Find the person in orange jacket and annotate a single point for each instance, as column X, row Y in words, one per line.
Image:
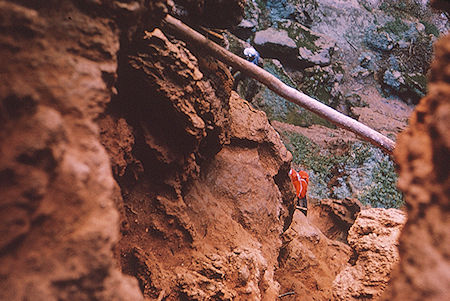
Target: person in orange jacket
column 300, row 181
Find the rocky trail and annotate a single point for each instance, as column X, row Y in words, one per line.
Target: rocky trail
column 131, row 170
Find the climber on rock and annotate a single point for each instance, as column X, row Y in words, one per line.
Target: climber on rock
column 300, row 181
column 252, row 55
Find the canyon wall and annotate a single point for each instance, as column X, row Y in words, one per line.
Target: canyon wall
column 423, row 154
column 130, row 170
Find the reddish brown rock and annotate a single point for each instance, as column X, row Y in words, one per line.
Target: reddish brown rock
column 423, row 155
column 373, row 239
column 203, row 178
column 58, row 221
column 334, row 217
column 309, row 261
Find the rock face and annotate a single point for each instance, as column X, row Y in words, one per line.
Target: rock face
column 423, row 156
column 275, row 43
column 309, row 261
column 373, row 238
column 295, row 45
column 335, row 217
column 212, row 192
column 314, row 267
column 58, row 221
column 129, row 170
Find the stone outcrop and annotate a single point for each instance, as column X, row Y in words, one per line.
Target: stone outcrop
column 315, row 267
column 423, row 154
column 203, row 178
column 294, row 45
column 335, row 217
column 129, row 170
column 58, row 222
column 309, row 261
column 373, row 239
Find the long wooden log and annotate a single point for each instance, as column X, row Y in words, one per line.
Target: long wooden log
column 187, row 34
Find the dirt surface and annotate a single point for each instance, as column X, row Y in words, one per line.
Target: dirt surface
column 423, row 154
column 309, row 261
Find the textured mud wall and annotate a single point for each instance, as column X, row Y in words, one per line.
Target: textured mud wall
column 314, row 267
column 373, row 239
column 203, row 177
column 58, row 221
column 309, row 261
column 423, row 154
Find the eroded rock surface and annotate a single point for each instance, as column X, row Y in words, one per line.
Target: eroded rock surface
column 58, row 221
column 124, row 151
column 335, row 217
column 423, row 154
column 373, row 239
column 205, row 192
column 309, row 261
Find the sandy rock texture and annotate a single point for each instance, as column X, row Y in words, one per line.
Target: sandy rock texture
column 130, row 170
column 335, row 217
column 58, row 221
column 423, row 154
column 315, row 267
column 373, row 239
column 203, row 177
column 309, row 261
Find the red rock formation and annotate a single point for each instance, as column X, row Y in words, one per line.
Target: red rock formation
column 335, row 217
column 423, row 154
column 309, row 261
column 200, row 174
column 198, row 204
column 58, row 221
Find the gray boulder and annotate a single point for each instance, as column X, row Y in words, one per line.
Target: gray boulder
column 295, row 45
column 245, row 29
column 411, row 87
column 379, row 40
column 276, row 43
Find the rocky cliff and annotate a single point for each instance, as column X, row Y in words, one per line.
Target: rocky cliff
column 423, row 155
column 130, row 170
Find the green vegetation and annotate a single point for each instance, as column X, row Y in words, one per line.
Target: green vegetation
column 361, row 171
column 430, row 29
column 318, row 84
column 400, row 8
column 383, row 191
column 396, row 27
column 417, row 83
column 301, row 35
column 305, row 118
column 275, row 106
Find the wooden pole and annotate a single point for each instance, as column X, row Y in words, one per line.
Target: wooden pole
column 187, row 34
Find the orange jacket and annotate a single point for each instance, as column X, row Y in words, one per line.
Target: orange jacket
column 300, row 181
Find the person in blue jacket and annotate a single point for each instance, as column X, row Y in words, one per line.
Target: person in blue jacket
column 252, row 55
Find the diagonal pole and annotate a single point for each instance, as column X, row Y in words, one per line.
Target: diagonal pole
column 187, row 34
